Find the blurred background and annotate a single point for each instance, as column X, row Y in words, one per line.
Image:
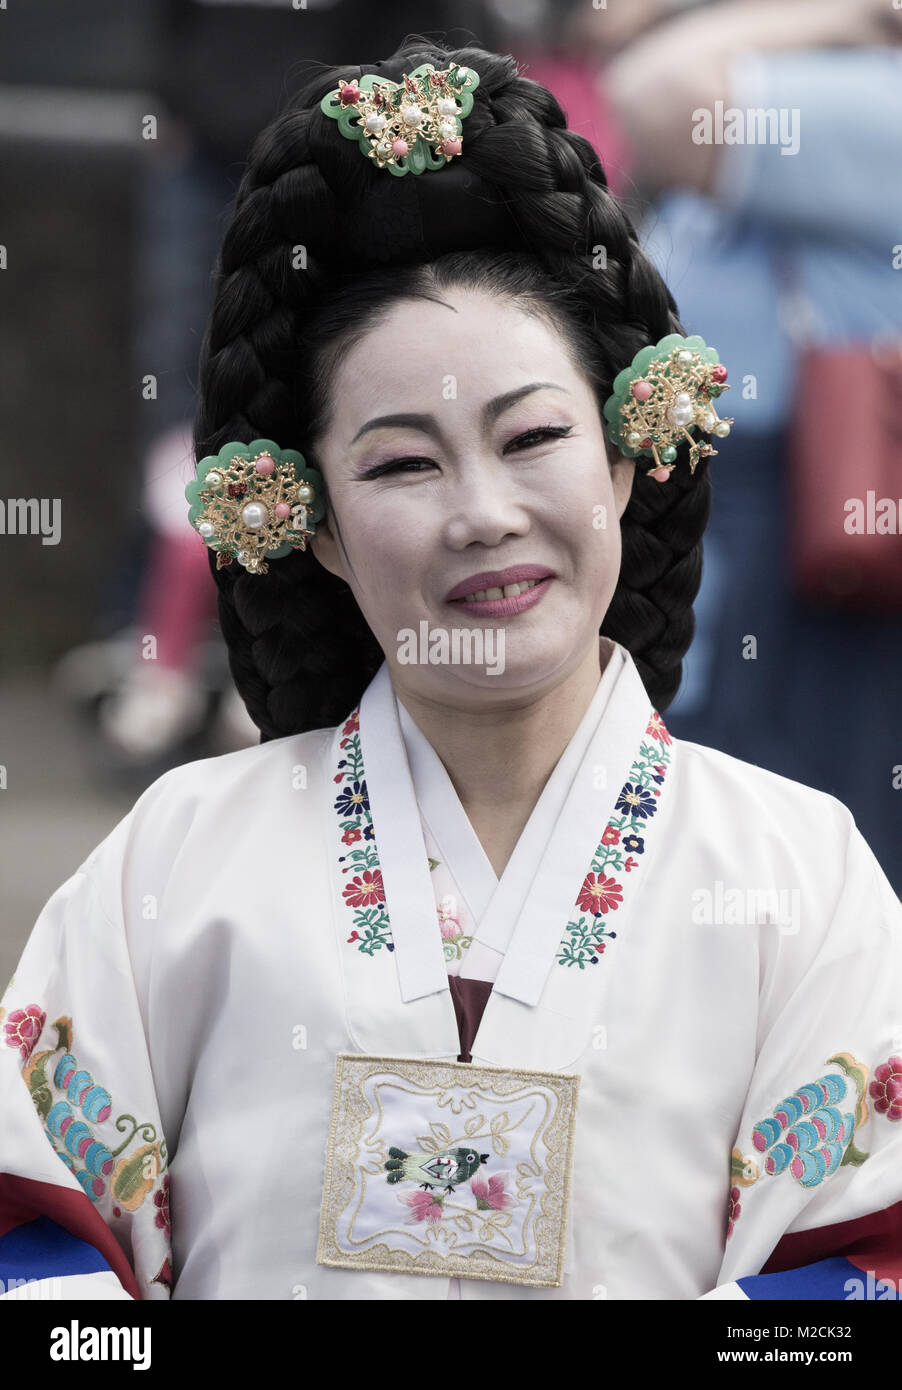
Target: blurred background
column 123, row 131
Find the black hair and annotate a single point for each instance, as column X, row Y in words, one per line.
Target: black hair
column 524, row 212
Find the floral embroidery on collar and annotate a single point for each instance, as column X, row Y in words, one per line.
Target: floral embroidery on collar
column 454, row 935
column 364, row 894
column 622, row 841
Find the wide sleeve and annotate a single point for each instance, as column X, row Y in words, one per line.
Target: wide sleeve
column 815, row 1202
column 84, row 1187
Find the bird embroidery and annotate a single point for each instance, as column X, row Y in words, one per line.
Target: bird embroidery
column 443, row 1169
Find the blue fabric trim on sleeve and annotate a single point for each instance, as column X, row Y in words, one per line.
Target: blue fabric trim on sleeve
column 825, row 1279
column 41, row 1249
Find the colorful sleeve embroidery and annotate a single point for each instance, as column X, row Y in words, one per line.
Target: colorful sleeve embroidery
column 809, row 1137
column 83, row 1169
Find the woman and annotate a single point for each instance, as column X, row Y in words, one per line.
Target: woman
column 470, row 981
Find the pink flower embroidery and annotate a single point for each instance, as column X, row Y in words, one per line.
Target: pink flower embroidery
column 599, row 894
column 611, row 836
column 656, row 728
column 449, row 925
column 351, row 835
column 365, row 890
column 352, row 724
column 490, row 1193
column 24, row 1027
column 886, row 1089
column 423, row 1207
column 161, row 1202
column 734, row 1210
column 630, row 863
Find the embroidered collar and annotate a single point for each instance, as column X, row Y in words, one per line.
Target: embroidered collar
column 371, row 745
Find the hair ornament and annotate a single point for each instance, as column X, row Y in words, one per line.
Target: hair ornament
column 254, row 502
column 664, row 395
column 408, row 126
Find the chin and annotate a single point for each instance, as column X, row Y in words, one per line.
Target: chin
column 514, row 673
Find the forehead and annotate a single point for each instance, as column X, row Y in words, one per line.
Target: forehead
column 469, row 347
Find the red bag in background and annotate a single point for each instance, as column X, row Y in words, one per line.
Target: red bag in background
column 845, row 477
column 844, row 443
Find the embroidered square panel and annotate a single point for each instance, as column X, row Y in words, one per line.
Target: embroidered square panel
column 448, row 1168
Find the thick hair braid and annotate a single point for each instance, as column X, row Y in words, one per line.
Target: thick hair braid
column 300, row 650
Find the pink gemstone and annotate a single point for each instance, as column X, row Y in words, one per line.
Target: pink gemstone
column 282, row 509
column 348, row 92
column 719, row 374
column 661, row 475
column 265, row 465
column 641, row 390
column 399, row 148
column 449, row 147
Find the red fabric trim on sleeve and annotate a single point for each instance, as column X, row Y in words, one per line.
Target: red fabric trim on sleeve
column 23, row 1199
column 870, row 1242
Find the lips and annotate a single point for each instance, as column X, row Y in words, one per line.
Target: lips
column 497, row 579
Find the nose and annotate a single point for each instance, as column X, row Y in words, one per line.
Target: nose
column 483, row 504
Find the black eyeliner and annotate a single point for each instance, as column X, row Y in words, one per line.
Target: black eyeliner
column 554, row 431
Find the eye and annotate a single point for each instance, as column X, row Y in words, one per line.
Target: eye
column 397, row 466
column 415, row 463
column 531, row 437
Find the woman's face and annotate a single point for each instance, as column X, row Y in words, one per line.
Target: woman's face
column 464, row 441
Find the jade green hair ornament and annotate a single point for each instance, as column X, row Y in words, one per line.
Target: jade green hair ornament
column 405, row 127
column 665, row 395
column 255, row 502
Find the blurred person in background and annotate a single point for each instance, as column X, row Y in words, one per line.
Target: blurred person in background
column 773, row 252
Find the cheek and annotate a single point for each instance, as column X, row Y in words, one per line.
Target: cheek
column 583, row 507
column 386, row 542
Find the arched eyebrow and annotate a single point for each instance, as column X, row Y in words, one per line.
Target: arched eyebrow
column 490, row 412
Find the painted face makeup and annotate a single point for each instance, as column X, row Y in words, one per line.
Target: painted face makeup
column 474, row 495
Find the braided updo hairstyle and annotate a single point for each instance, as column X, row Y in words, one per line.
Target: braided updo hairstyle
column 320, row 243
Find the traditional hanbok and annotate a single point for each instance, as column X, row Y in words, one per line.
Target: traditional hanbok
column 286, row 1034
